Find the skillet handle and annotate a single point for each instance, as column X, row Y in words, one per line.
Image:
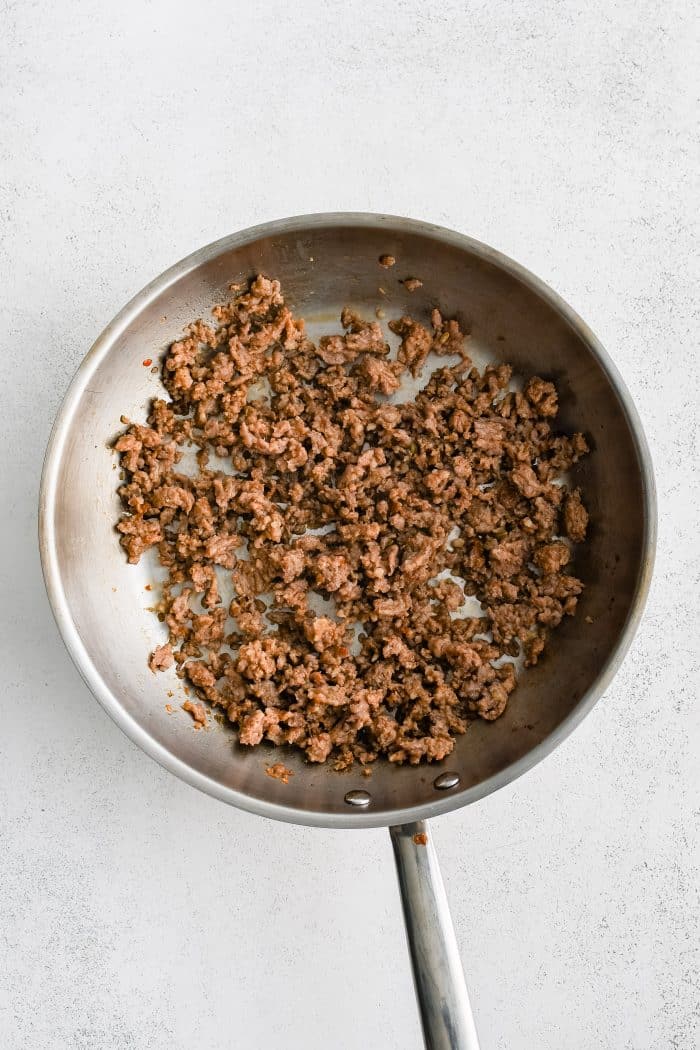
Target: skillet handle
column 445, row 1012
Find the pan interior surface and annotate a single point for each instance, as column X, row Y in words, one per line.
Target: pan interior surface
column 324, row 263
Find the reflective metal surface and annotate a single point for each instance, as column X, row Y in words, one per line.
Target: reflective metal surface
column 443, row 1002
column 324, row 262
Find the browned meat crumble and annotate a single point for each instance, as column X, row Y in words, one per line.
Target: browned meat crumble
column 389, row 514
column 198, row 712
column 279, row 772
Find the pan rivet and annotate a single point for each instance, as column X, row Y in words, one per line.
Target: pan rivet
column 446, row 781
column 358, row 798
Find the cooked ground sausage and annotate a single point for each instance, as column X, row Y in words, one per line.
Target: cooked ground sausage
column 389, row 514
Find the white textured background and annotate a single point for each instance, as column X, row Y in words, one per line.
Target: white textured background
column 136, row 913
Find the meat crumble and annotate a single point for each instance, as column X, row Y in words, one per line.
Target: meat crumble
column 279, row 772
column 352, row 527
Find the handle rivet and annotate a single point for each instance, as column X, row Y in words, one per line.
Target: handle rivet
column 358, row 798
column 446, row 781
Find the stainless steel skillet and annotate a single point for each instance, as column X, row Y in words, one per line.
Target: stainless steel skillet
column 324, row 262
